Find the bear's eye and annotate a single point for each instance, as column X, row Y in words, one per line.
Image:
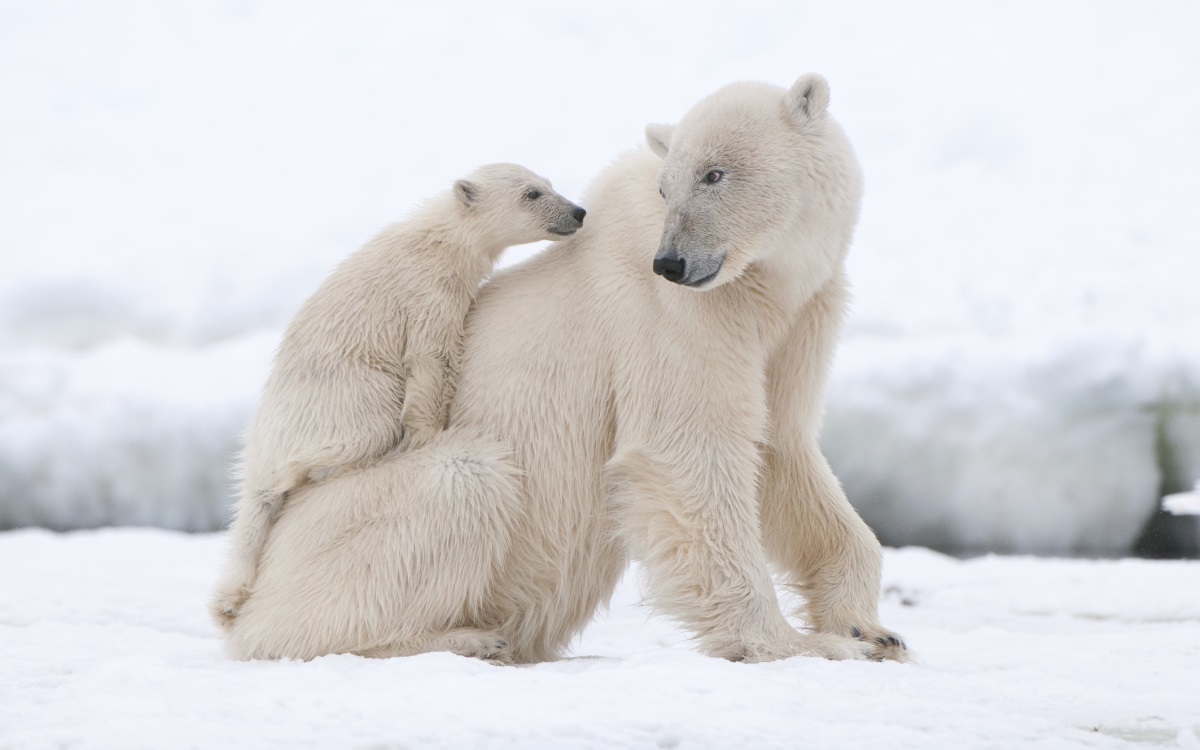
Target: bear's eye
column 533, row 194
column 714, row 176
column 660, row 192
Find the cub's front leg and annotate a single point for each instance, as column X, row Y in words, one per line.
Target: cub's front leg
column 424, row 413
column 431, row 360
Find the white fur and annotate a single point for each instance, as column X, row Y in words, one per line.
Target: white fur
column 604, row 413
column 370, row 362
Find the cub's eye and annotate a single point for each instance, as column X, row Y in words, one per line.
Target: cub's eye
column 713, row 176
column 533, row 194
column 660, row 192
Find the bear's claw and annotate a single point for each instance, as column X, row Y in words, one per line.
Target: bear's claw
column 883, row 644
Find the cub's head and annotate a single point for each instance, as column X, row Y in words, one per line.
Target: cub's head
column 755, row 174
column 515, row 206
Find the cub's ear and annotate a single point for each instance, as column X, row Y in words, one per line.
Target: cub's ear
column 808, row 97
column 467, row 192
column 658, row 137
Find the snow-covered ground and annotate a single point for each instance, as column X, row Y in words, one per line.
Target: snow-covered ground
column 1022, row 370
column 105, row 643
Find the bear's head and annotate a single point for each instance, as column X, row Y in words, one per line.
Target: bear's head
column 511, row 205
column 755, row 174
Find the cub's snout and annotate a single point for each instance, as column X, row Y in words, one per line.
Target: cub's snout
column 571, row 223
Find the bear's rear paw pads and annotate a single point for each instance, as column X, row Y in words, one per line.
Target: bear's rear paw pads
column 883, row 644
column 227, row 603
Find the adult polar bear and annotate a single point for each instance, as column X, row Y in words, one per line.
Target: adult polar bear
column 604, row 412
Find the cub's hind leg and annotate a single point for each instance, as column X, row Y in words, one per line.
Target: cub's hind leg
column 248, row 534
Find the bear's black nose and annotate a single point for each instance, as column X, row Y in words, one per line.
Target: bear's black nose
column 578, row 214
column 670, row 266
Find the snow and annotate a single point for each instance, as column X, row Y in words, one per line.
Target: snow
column 130, row 432
column 1184, row 503
column 104, row 643
column 1021, row 371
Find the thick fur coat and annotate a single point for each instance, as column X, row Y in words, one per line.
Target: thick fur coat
column 371, row 360
column 605, row 412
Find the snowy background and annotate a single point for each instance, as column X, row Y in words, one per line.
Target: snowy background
column 1022, row 370
column 1097, row 654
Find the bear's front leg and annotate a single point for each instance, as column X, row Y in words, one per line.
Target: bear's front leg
column 811, row 531
column 697, row 536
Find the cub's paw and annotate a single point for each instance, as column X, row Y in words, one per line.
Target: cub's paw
column 419, row 435
column 884, row 644
column 227, row 603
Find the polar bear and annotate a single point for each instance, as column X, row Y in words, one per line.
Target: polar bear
column 370, row 361
column 651, row 389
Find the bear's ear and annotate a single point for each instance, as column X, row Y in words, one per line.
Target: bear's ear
column 467, row 192
column 658, row 137
column 808, row 97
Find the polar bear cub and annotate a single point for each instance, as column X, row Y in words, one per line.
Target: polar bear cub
column 370, row 361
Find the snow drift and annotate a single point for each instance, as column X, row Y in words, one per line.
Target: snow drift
column 1020, row 371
